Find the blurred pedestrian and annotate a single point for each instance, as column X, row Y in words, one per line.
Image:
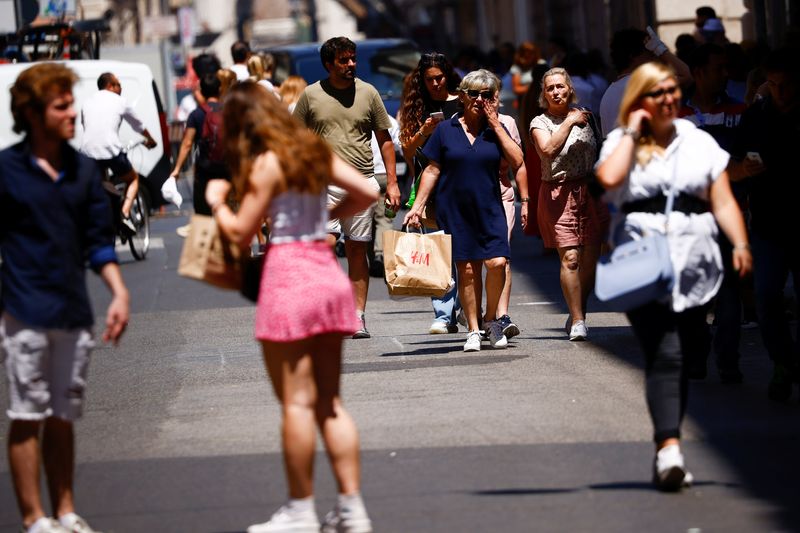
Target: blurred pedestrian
column 464, row 154
column 525, row 59
column 651, row 155
column 55, row 218
column 769, row 139
column 291, row 89
column 282, row 170
column 240, row 53
column 570, row 219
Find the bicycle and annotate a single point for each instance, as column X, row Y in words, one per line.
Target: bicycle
column 139, row 241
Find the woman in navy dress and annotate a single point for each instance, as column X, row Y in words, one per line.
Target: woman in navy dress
column 464, row 156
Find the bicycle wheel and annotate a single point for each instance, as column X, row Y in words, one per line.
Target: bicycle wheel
column 140, row 243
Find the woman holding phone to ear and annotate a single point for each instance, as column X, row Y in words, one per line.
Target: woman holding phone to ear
column 652, row 154
column 429, row 97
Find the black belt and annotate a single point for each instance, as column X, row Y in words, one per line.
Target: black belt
column 685, row 203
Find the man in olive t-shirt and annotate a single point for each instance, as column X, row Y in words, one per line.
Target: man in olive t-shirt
column 345, row 111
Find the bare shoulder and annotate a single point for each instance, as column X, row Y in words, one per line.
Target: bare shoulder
column 266, row 171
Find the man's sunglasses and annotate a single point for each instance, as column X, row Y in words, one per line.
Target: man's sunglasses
column 474, row 94
column 660, row 93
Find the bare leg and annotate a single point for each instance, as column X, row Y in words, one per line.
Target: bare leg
column 331, row 239
column 570, row 281
column 338, row 429
column 58, row 455
column 358, row 270
column 469, row 290
column 505, row 296
column 132, row 179
column 290, row 367
column 586, row 271
column 23, row 460
column 495, row 282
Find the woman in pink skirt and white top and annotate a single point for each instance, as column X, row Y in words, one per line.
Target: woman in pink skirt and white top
column 305, row 304
column 570, row 219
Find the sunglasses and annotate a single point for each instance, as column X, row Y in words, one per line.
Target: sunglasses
column 660, row 93
column 474, row 94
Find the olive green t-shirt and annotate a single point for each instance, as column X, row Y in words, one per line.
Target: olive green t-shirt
column 345, row 119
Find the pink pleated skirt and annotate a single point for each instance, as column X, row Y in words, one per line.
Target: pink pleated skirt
column 303, row 293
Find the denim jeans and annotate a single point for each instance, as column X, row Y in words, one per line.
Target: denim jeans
column 447, row 307
column 773, row 261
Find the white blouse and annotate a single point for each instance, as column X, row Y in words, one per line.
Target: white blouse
column 695, row 160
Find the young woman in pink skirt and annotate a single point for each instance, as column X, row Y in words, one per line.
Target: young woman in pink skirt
column 305, row 303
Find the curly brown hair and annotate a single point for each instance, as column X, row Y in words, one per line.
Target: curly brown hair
column 33, row 89
column 254, row 122
column 416, row 98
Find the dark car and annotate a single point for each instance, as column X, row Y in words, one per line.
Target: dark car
column 382, row 62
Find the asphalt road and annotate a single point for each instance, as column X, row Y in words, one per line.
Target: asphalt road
column 181, row 432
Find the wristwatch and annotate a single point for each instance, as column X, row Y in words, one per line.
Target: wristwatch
column 632, row 132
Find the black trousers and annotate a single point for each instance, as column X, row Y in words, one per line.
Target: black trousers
column 668, row 340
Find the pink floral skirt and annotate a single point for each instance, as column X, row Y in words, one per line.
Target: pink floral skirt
column 303, row 293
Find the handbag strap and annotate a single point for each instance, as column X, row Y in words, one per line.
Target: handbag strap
column 671, row 186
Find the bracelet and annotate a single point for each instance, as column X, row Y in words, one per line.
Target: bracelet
column 742, row 246
column 632, row 132
column 524, row 200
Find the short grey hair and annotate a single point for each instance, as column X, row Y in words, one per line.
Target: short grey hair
column 573, row 98
column 478, row 79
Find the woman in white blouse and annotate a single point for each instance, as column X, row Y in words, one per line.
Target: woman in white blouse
column 650, row 153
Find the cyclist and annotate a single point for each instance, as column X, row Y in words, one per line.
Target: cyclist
column 101, row 117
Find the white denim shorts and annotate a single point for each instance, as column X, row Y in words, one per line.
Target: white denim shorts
column 46, row 369
column 357, row 227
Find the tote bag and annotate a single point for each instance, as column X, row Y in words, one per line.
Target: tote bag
column 208, row 257
column 417, row 264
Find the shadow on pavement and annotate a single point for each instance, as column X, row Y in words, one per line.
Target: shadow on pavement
column 760, row 440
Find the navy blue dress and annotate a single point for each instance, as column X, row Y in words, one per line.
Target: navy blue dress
column 468, row 203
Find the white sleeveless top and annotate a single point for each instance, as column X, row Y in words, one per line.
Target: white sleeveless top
column 298, row 217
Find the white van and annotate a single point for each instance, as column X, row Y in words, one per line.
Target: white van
column 138, row 89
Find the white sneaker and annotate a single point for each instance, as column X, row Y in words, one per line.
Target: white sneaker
column 473, row 343
column 45, row 525
column 75, row 524
column 347, row 520
column 578, row 331
column 669, row 471
column 183, row 231
column 438, row 328
column 287, row 519
column 495, row 332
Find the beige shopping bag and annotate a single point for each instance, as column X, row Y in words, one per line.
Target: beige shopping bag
column 417, row 264
column 208, row 257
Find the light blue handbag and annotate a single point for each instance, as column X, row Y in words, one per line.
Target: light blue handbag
column 638, row 271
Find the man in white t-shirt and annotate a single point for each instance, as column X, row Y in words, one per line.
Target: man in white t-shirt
column 101, row 117
column 240, row 52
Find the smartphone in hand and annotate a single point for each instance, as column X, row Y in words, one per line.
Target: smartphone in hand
column 437, row 116
column 755, row 156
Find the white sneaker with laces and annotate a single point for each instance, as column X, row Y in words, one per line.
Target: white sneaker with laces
column 347, row 520
column 473, row 343
column 45, row 524
column 578, row 331
column 495, row 332
column 75, row 524
column 669, row 471
column 286, row 519
column 439, row 327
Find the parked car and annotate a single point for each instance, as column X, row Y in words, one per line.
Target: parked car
column 382, row 62
column 138, row 88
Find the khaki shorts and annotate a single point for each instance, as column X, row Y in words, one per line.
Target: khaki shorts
column 46, row 369
column 357, row 227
